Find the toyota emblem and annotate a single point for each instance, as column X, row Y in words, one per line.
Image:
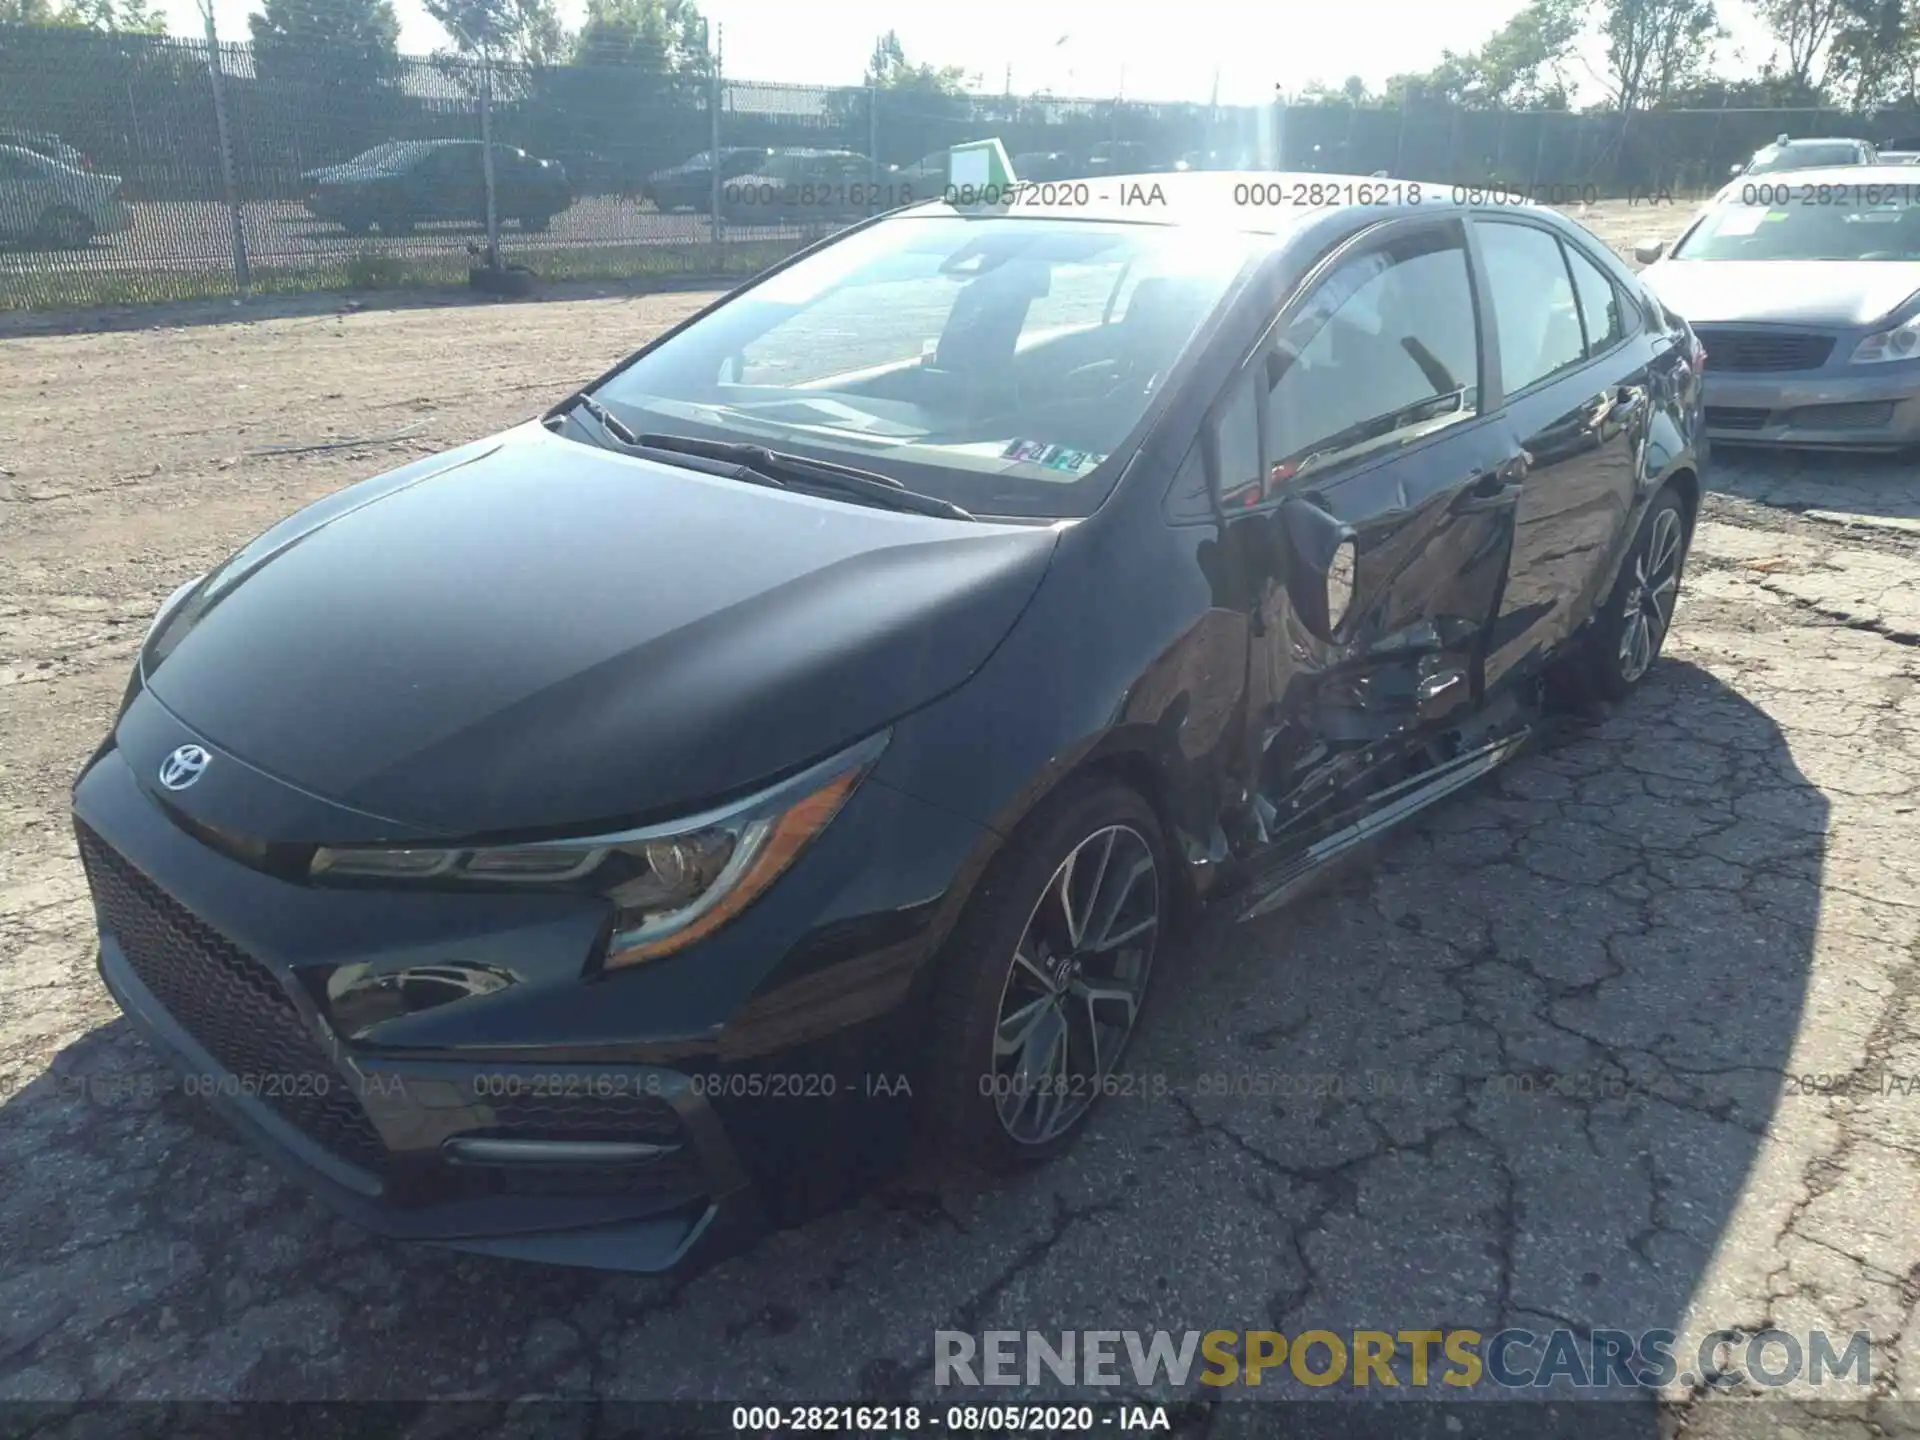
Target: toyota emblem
column 183, row 767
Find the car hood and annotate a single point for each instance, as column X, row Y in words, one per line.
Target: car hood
column 1784, row 292
column 532, row 633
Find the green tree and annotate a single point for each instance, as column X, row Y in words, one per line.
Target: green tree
column 887, row 69
column 1876, row 51
column 526, row 32
column 1522, row 65
column 1805, row 31
column 116, row 17
column 353, row 43
column 1656, row 48
column 667, row 37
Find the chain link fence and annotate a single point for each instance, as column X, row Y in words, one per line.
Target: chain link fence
column 140, row 168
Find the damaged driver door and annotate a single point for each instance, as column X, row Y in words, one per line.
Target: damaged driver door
column 1373, row 541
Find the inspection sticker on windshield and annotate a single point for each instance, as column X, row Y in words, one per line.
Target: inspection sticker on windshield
column 1051, row 457
column 1746, row 219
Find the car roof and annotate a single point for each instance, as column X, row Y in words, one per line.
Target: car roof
column 1215, row 198
column 1850, row 175
column 1815, row 140
column 20, row 152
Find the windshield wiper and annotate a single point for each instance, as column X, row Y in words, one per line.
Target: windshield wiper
column 801, row 472
column 608, row 421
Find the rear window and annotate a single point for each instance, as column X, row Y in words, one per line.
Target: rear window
column 1803, row 157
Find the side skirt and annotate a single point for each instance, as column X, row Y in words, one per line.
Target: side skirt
column 1390, row 807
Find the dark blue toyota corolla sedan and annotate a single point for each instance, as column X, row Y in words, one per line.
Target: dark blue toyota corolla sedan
column 613, row 836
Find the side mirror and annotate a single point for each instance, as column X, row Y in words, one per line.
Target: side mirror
column 1323, row 573
column 1735, row 168
column 1648, row 251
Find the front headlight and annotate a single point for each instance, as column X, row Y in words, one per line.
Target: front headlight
column 672, row 884
column 1900, row 343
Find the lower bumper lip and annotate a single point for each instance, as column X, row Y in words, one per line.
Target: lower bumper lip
column 1860, row 410
column 468, row 1150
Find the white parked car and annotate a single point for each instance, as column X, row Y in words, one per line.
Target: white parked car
column 46, row 203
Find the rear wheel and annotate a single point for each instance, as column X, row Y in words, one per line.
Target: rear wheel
column 535, row 222
column 64, row 228
column 396, row 222
column 1627, row 636
column 1045, row 976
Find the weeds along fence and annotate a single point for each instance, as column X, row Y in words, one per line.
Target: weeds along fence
column 141, row 168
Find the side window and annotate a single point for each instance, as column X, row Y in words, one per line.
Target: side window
column 1533, row 305
column 1237, row 449
column 1384, row 351
column 1600, row 304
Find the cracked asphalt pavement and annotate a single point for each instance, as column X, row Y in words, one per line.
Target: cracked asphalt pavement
column 1553, row 1057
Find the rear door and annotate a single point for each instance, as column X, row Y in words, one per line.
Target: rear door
column 1367, row 414
column 452, row 185
column 1573, row 373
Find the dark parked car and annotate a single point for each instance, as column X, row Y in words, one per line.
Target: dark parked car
column 598, row 840
column 799, row 185
column 405, row 183
column 689, row 185
column 1042, row 165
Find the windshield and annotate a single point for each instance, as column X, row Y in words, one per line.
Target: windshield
column 994, row 362
column 1848, row 222
column 1802, row 157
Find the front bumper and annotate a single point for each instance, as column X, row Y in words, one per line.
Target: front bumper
column 608, row 1125
column 1864, row 410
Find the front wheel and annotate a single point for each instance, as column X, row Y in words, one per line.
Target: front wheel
column 1627, row 635
column 1044, row 978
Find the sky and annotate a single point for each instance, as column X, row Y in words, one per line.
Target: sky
column 1091, row 48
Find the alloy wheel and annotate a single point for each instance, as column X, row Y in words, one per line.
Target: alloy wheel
column 1650, row 601
column 1074, row 985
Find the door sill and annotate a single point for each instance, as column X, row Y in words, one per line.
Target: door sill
column 1391, row 807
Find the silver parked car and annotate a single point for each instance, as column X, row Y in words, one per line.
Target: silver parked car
column 43, row 202
column 1806, row 154
column 1804, row 286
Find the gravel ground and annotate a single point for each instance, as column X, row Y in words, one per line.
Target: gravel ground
column 1537, row 1065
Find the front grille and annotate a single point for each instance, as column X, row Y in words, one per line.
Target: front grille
column 231, row 1004
column 626, row 1117
column 1855, row 415
column 1748, row 350
column 1736, row 417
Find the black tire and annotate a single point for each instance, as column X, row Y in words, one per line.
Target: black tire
column 535, row 222
column 396, row 222
column 1605, row 667
column 982, row 988
column 356, row 224
column 64, row 228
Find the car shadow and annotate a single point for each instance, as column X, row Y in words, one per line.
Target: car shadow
column 1513, row 1072
column 1859, row 486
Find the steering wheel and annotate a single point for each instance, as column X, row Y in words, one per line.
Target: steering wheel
column 1096, row 377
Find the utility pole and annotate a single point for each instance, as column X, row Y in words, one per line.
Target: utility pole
column 241, row 277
